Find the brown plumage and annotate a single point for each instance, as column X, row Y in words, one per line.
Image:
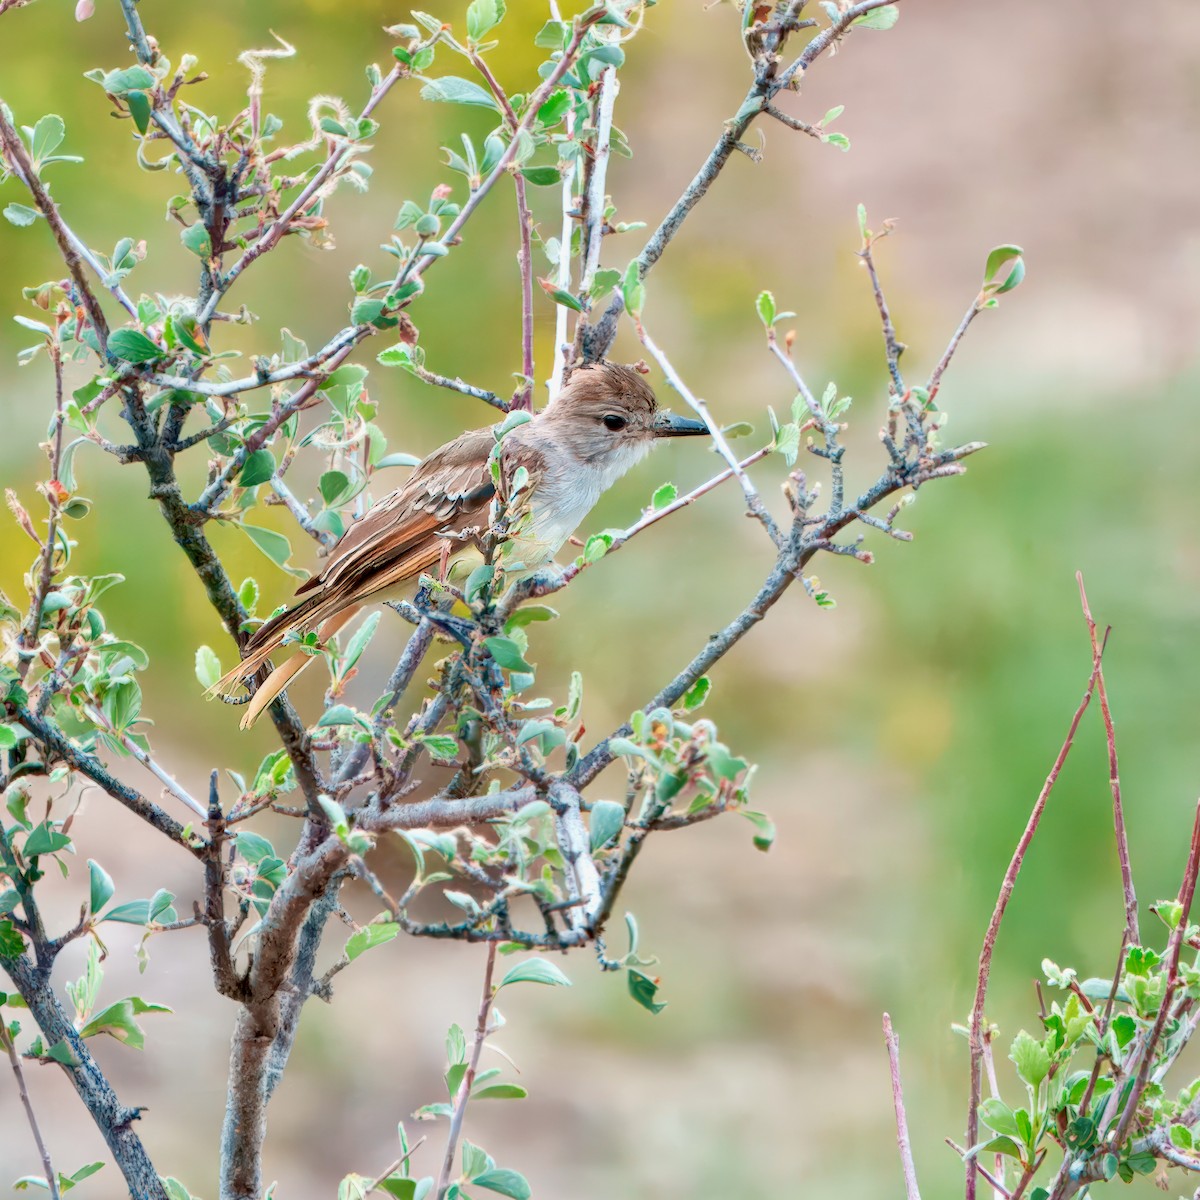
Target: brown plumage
column 602, row 422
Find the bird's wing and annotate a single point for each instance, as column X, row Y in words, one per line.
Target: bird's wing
column 396, row 539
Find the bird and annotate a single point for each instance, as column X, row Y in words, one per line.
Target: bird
column 552, row 470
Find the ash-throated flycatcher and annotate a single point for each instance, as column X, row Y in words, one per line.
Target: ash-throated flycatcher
column 604, row 420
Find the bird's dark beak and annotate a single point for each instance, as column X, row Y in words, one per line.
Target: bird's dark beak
column 669, row 425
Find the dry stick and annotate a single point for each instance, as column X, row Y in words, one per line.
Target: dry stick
column 13, row 1058
column 989, row 941
column 911, row 1190
column 1132, row 933
column 464, row 1088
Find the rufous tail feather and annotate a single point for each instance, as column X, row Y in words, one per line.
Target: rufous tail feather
column 287, row 671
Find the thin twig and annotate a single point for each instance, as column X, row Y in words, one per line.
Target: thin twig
column 989, row 941
column 1132, row 934
column 700, row 407
column 31, row 1116
column 911, row 1190
column 175, row 788
column 1187, row 893
column 892, row 347
column 463, row 1095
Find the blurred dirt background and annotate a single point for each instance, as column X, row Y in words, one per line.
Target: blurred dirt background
column 902, row 736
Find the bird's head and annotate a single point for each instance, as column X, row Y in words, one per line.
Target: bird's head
column 608, row 413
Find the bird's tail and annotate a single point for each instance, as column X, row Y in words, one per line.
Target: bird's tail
column 317, row 611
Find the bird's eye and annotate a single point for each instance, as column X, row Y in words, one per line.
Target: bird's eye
column 614, row 421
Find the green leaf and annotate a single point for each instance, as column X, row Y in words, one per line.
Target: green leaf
column 766, row 308
column 643, row 989
column 43, row 839
column 440, row 744
column 633, row 290
column 339, row 714
column 500, row 1091
column 527, row 614
column 607, row 821
column 118, row 1021
column 552, row 35
column 128, row 79
column 696, row 695
column 370, row 936
column 450, row 89
column 20, row 214
column 11, row 942
column 195, row 238
column 61, row 1052
column 997, row 258
column 507, row 654
column 554, row 109
column 764, row 838
column 140, row 109
column 787, row 442
column 542, row 176
column 723, row 764
column 663, row 496
column 274, row 545
column 101, row 887
column 997, row 1116
column 258, row 468
column 559, row 296
column 135, row 912
column 8, row 736
column 482, row 17
column 48, row 135
column 879, row 18
column 131, row 345
column 840, row 140
column 361, row 639
column 1032, row 1059
column 535, row 970
column 253, row 847
column 506, row 1182
column 208, row 666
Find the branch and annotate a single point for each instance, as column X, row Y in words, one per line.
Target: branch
column 902, row 1140
column 29, row 636
column 112, row 1118
column 975, row 1037
column 753, row 501
column 171, row 785
column 31, row 1116
column 14, row 151
column 1132, row 934
column 598, row 339
column 457, row 385
column 55, row 745
column 338, row 153
column 1187, row 893
column 463, row 1095
column 892, row 348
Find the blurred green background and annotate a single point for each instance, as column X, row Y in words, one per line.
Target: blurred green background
column 902, row 736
